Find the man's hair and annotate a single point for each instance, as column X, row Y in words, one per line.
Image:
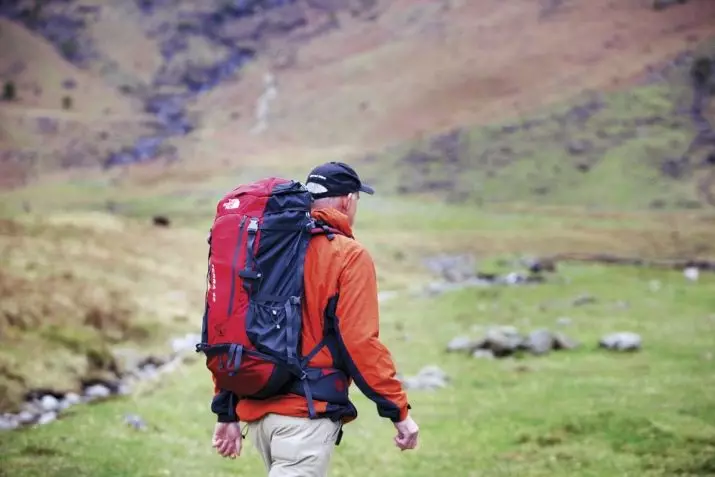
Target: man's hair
column 327, row 203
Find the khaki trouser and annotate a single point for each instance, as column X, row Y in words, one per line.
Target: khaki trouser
column 294, row 446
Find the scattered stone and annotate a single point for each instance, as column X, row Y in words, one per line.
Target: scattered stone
column 515, row 278
column 49, row 403
column 124, row 389
column 46, row 418
column 429, row 378
column 135, row 421
column 506, row 341
column 43, row 406
column 70, row 399
column 692, row 274
column 460, row 343
column 25, row 417
column 97, row 391
column 8, row 422
column 622, row 341
column 578, row 147
column 584, row 299
column 539, row 342
column 483, row 354
column 453, row 268
column 502, row 340
column 561, row 341
column 147, row 372
column 540, row 265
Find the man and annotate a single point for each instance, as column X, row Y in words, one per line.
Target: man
column 338, row 268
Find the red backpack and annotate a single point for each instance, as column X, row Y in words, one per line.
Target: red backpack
column 253, row 317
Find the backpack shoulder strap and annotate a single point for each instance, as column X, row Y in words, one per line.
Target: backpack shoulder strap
column 321, row 228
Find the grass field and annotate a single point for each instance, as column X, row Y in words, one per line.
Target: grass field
column 584, row 412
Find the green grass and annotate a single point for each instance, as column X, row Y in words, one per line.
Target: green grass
column 584, row 412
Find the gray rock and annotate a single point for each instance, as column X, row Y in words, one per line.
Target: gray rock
column 71, row 399
column 148, row 372
column 483, row 354
column 561, row 341
column 692, row 274
column 539, row 342
column 584, row 299
column 32, row 407
column 25, row 417
column 434, row 371
column 460, row 343
column 97, row 391
column 8, row 422
column 135, row 421
column 514, row 278
column 578, row 147
column 502, row 340
column 124, row 389
column 622, row 341
column 453, row 268
column 46, row 418
column 49, row 403
column 429, row 378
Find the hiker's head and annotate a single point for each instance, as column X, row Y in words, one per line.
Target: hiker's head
column 336, row 185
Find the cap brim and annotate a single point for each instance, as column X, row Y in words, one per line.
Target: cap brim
column 367, row 189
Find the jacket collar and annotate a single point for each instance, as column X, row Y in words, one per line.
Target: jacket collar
column 335, row 219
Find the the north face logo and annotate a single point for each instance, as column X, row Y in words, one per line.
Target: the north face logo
column 232, row 204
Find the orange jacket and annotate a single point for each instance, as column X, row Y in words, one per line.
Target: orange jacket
column 344, row 267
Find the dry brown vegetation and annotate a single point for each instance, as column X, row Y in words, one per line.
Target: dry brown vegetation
column 393, row 80
column 72, row 287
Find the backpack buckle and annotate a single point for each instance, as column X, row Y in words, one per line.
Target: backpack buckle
column 253, row 226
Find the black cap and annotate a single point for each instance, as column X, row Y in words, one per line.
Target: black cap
column 334, row 179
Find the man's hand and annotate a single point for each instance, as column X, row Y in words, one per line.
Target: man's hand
column 407, row 432
column 227, row 439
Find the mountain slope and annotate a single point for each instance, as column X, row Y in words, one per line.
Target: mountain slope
column 347, row 77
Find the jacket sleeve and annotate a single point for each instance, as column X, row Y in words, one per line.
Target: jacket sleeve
column 368, row 361
column 223, row 404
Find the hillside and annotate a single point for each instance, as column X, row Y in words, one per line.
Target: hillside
column 218, row 79
column 650, row 145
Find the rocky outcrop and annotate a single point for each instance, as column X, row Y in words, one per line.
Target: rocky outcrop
column 459, row 271
column 43, row 406
column 504, row 341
